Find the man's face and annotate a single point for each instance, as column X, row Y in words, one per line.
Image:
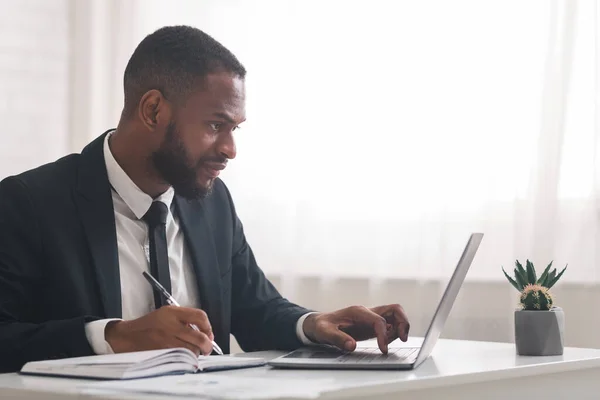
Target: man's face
column 199, row 141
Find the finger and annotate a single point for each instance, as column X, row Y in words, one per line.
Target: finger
column 211, row 335
column 363, row 315
column 197, row 339
column 403, row 328
column 194, row 316
column 332, row 335
column 391, row 332
column 380, row 331
column 396, row 317
column 402, row 325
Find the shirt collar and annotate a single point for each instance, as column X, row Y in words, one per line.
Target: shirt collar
column 138, row 201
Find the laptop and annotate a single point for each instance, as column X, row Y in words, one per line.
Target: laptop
column 329, row 357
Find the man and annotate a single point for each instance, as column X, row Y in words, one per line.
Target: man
column 76, row 234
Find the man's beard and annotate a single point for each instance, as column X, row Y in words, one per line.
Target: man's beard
column 171, row 161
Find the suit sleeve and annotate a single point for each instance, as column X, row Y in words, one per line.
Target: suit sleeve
column 23, row 335
column 261, row 318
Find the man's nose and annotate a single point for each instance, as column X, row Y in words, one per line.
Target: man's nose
column 226, row 146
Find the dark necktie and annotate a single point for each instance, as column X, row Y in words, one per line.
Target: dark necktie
column 156, row 218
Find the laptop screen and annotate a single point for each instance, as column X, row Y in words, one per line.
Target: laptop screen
column 447, row 301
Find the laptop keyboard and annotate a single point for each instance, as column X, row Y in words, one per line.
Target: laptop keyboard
column 369, row 355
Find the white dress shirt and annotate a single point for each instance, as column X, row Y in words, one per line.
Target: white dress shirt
column 130, row 204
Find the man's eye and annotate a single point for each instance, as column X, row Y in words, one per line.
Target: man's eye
column 215, row 127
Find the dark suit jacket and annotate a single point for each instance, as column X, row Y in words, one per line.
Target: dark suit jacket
column 59, row 265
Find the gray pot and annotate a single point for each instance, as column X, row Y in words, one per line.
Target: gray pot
column 540, row 333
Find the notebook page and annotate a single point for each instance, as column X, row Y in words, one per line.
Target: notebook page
column 119, row 358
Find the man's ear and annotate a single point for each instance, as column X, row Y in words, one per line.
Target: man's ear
column 154, row 110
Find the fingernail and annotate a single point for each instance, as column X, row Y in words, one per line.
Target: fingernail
column 349, row 345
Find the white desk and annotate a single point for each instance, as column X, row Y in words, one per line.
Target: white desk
column 456, row 370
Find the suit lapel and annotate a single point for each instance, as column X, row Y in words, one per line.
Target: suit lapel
column 199, row 241
column 94, row 203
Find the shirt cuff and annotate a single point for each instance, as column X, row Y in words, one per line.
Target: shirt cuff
column 94, row 331
column 300, row 330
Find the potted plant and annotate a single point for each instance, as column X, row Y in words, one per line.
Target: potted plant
column 539, row 325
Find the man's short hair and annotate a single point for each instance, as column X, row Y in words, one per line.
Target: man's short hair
column 175, row 60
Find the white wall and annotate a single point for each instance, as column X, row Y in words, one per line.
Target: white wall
column 34, row 66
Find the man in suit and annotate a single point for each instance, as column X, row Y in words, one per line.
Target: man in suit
column 77, row 234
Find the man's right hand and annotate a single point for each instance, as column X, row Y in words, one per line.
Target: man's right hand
column 166, row 327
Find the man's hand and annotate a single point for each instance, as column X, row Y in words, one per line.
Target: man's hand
column 166, row 327
column 344, row 327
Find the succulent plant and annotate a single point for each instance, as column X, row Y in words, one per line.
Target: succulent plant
column 527, row 276
column 534, row 291
column 536, row 297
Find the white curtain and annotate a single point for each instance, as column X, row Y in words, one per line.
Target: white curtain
column 102, row 38
column 34, row 76
column 380, row 134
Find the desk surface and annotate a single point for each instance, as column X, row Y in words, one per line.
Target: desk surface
column 453, row 362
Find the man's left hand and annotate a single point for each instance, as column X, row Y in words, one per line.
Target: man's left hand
column 344, row 327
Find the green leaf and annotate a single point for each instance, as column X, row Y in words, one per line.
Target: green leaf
column 531, row 278
column 554, row 280
column 551, row 276
column 520, row 274
column 521, row 269
column 511, row 280
column 544, row 276
column 519, row 280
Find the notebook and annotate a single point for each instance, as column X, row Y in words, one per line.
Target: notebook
column 141, row 364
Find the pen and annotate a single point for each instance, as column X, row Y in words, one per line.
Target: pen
column 171, row 300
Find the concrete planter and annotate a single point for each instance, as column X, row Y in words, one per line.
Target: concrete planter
column 539, row 333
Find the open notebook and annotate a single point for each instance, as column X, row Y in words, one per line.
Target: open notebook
column 139, row 364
